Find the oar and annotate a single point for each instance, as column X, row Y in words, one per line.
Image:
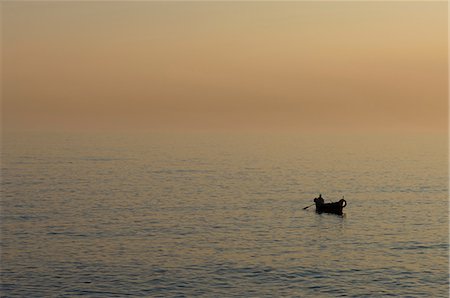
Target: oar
column 308, row 206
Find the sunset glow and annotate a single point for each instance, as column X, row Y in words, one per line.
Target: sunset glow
column 297, row 66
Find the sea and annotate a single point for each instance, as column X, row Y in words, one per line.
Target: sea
column 222, row 215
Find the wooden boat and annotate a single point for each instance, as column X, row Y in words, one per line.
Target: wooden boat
column 335, row 208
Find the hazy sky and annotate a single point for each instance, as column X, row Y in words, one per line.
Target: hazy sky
column 294, row 66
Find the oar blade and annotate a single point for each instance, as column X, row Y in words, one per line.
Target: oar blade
column 307, row 207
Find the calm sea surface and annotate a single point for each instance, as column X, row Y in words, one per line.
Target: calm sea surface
column 222, row 215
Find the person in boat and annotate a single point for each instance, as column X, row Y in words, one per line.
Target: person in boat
column 319, row 200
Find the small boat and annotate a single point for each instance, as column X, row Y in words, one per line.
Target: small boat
column 335, row 208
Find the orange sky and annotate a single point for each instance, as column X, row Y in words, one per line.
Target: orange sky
column 290, row 66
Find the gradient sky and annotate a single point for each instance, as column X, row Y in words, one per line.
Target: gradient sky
column 291, row 66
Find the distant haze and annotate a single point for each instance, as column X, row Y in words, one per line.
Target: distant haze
column 189, row 66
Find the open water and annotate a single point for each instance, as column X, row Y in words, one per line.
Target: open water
column 165, row 215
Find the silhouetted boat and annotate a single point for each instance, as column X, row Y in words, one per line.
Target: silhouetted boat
column 335, row 208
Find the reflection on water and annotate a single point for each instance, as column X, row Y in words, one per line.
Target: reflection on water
column 111, row 215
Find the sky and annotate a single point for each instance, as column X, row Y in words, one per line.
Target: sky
column 225, row 66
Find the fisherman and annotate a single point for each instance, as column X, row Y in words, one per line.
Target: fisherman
column 319, row 200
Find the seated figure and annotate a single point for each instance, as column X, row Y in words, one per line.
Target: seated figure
column 319, row 200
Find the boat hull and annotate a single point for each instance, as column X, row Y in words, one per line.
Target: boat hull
column 335, row 208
